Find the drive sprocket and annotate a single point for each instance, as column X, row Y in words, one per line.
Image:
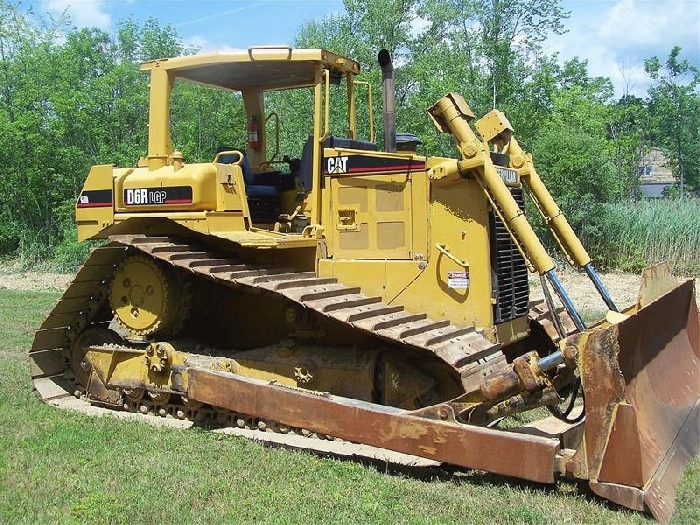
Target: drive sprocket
column 147, row 297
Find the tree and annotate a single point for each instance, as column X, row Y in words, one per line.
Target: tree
column 577, row 125
column 630, row 133
column 674, row 102
column 499, row 41
column 69, row 99
column 26, row 126
column 366, row 27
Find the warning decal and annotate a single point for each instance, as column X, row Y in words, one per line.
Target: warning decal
column 458, row 280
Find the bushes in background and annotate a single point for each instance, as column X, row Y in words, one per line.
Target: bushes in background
column 632, row 235
column 629, row 236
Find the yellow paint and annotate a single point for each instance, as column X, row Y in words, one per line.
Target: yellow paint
column 457, row 215
column 406, row 237
column 553, row 217
column 91, row 221
column 142, row 296
column 450, row 112
column 512, row 331
column 130, row 369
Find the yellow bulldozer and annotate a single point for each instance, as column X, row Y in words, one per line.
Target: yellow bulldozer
column 377, row 296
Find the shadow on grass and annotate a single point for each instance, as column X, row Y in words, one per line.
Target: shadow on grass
column 445, row 473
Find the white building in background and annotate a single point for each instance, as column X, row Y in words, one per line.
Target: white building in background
column 654, row 175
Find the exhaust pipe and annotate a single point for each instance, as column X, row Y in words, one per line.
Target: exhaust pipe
column 388, row 100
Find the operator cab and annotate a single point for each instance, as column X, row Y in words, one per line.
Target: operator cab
column 281, row 161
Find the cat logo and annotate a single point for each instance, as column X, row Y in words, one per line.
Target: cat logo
column 336, row 165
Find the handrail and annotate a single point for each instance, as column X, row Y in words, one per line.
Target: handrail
column 326, row 124
column 443, row 249
column 230, row 152
column 269, row 48
column 277, row 137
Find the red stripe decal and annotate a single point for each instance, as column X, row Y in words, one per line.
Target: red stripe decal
column 94, row 205
column 386, row 168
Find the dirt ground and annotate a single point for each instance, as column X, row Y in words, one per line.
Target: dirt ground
column 623, row 288
column 36, row 281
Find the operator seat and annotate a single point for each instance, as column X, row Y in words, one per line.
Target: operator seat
column 251, row 188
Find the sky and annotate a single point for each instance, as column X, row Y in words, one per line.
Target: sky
column 614, row 36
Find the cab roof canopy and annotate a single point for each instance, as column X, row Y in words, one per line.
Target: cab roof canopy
column 264, row 68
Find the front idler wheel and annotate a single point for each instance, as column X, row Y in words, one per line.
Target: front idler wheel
column 91, row 337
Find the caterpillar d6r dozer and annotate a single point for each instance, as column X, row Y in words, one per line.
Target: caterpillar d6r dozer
column 380, row 297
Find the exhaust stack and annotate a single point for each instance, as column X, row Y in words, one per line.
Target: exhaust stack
column 388, row 100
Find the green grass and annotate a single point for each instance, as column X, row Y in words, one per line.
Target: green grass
column 687, row 507
column 64, row 467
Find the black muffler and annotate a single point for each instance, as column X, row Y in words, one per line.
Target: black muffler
column 388, row 99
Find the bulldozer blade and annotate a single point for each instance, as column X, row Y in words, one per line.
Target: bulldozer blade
column 641, row 380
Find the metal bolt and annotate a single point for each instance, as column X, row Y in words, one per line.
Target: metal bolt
column 469, row 150
column 290, row 315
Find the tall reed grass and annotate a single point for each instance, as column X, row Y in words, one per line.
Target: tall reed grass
column 630, row 235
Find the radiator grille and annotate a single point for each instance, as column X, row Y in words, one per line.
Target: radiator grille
column 508, row 269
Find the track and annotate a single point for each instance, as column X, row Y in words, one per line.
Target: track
column 84, row 304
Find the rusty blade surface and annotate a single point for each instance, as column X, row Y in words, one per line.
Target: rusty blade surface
column 643, row 408
column 662, row 376
column 501, row 452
